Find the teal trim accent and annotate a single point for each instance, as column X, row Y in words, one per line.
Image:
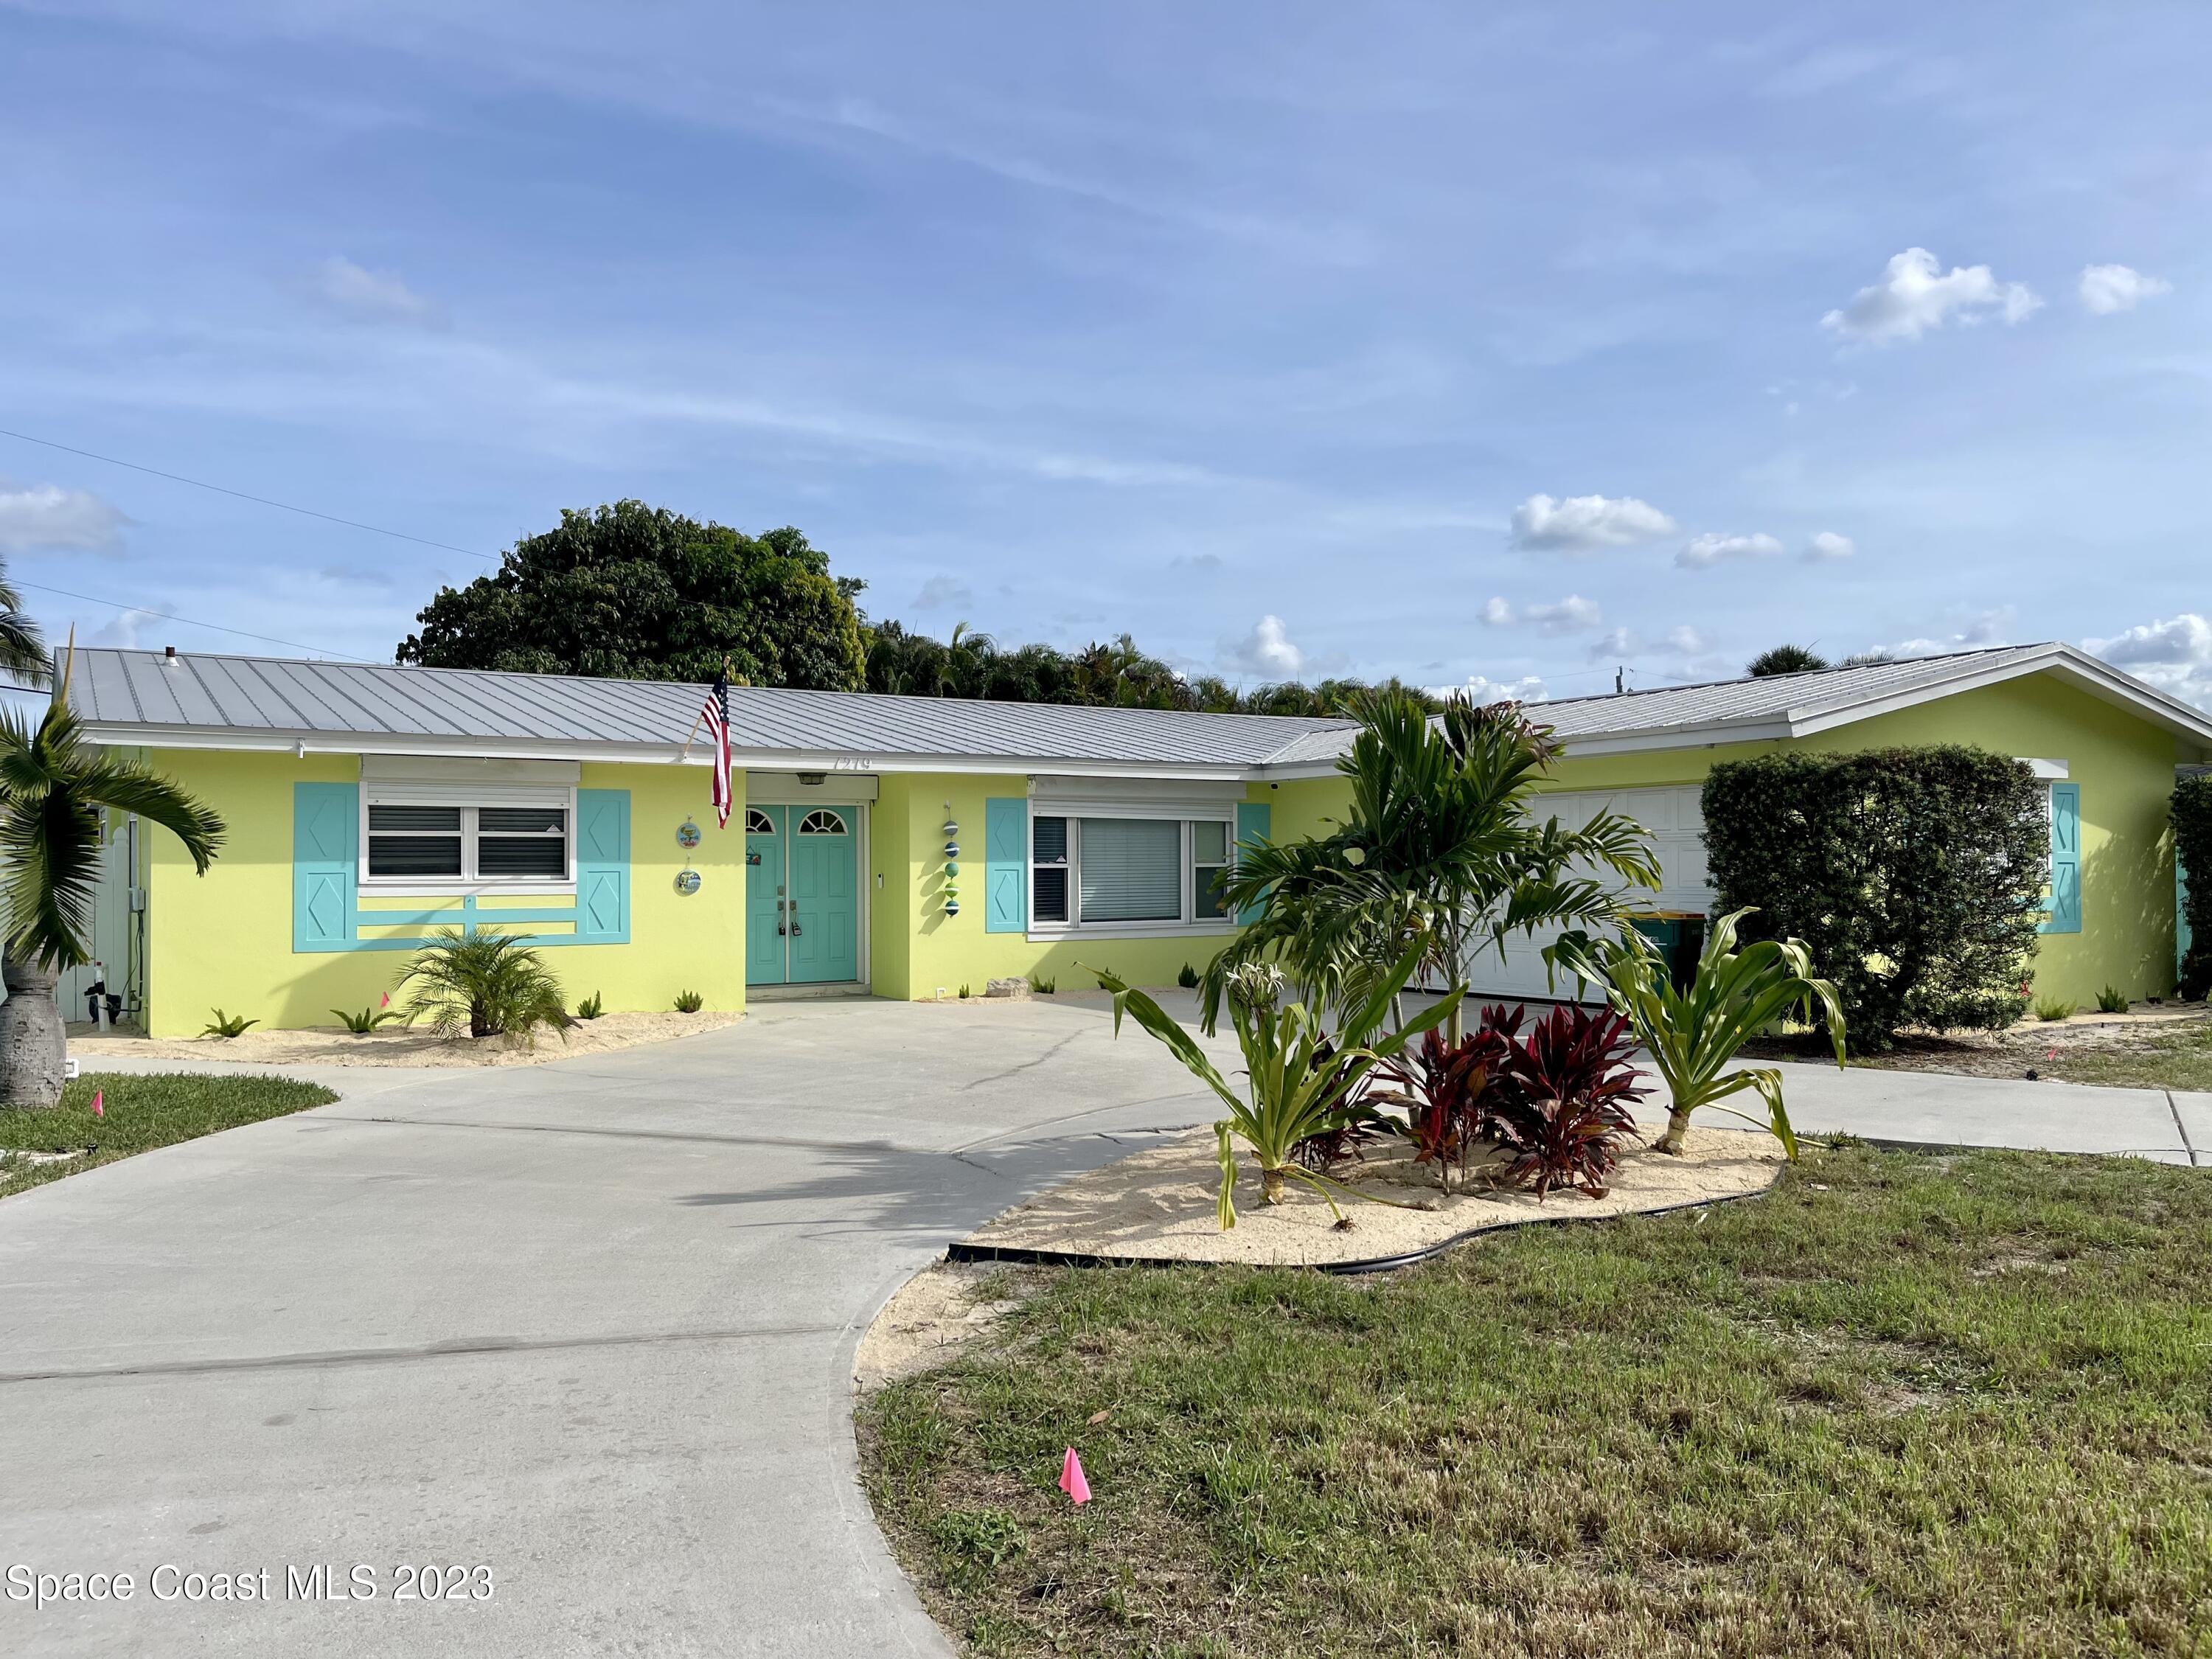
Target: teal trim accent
column 1006, row 864
column 327, row 914
column 325, row 862
column 2065, row 904
column 603, row 866
column 1254, row 821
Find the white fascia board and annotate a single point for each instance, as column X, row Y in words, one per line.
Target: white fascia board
column 2088, row 673
column 1711, row 736
column 115, row 734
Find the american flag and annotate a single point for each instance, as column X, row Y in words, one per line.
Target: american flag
column 716, row 716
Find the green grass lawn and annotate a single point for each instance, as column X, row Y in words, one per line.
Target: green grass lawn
column 142, row 1113
column 2180, row 1061
column 1906, row 1404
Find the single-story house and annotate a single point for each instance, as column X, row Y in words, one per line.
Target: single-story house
column 911, row 846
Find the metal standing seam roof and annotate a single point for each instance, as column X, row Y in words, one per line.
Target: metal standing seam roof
column 139, row 695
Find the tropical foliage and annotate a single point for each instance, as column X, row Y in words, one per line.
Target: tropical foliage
column 226, row 1025
column 1111, row 673
column 641, row 593
column 1301, row 1079
column 367, row 1020
column 1915, row 875
column 1441, row 849
column 485, row 984
column 1564, row 1100
column 2191, row 814
column 1690, row 1035
column 54, row 788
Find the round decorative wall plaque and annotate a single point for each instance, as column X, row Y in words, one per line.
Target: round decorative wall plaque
column 687, row 834
column 687, row 882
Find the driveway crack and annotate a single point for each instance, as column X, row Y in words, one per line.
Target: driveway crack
column 1027, row 1064
column 449, row 1348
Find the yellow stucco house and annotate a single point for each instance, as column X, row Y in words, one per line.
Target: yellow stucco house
column 908, row 846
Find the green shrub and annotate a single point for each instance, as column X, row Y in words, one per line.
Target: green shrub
column 2191, row 812
column 590, row 1008
column 366, row 1020
column 226, row 1025
column 485, row 984
column 690, row 1002
column 1043, row 988
column 2112, row 1000
column 2054, row 1008
column 965, row 993
column 1188, row 978
column 1915, row 877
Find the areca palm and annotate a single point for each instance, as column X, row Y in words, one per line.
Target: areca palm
column 1693, row 1033
column 53, row 787
column 1441, row 848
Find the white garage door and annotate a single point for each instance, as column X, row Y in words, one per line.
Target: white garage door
column 1678, row 830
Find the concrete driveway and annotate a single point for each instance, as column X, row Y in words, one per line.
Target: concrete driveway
column 589, row 1327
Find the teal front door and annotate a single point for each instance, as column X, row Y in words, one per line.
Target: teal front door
column 764, row 894
column 822, row 912
column 802, row 895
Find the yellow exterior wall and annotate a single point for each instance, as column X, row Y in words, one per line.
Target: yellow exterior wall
column 225, row 939
column 916, row 948
column 2123, row 764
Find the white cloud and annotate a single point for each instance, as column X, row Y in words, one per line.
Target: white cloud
column 1494, row 612
column 1480, row 689
column 1266, row 650
column 2174, row 655
column 1827, row 544
column 1688, row 640
column 121, row 630
column 1208, row 563
column 1915, row 294
column 1711, row 548
column 1981, row 628
column 2107, row 288
column 49, row 516
column 1618, row 642
column 1570, row 615
column 941, row 590
column 376, row 295
column 1582, row 523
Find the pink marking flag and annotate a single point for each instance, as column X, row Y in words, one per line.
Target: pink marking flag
column 386, row 1003
column 1071, row 1478
column 99, row 1102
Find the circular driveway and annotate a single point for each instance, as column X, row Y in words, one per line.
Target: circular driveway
column 587, row 1326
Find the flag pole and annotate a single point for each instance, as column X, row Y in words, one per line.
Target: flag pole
column 697, row 720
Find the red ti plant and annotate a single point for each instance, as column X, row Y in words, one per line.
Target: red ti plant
column 1561, row 1120
column 1443, row 1087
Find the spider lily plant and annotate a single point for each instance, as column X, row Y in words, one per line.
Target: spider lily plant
column 1300, row 1079
column 1691, row 1035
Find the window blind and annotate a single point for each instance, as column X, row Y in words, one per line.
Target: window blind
column 1132, row 869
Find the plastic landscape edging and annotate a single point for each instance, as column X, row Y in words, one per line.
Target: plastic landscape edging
column 1022, row 1255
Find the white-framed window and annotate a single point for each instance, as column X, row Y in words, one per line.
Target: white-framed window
column 1127, row 874
column 442, row 841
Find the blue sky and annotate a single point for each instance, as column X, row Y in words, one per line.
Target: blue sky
column 1467, row 345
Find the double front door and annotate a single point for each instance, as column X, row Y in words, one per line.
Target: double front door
column 802, row 895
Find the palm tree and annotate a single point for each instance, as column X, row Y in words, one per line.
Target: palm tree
column 1441, row 846
column 53, row 787
column 22, row 652
column 1785, row 659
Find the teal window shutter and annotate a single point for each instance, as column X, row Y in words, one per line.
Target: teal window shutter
column 1006, row 865
column 1254, row 819
column 2065, row 902
column 325, row 865
column 603, row 866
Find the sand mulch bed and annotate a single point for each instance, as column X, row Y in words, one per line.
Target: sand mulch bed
column 936, row 1315
column 399, row 1046
column 2033, row 1044
column 1159, row 1204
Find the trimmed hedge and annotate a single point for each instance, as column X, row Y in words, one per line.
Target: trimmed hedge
column 2191, row 812
column 1915, row 875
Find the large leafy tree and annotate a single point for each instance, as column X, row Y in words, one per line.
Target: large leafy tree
column 1442, row 847
column 639, row 593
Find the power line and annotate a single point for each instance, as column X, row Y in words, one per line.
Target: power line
column 266, row 639
column 221, row 490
